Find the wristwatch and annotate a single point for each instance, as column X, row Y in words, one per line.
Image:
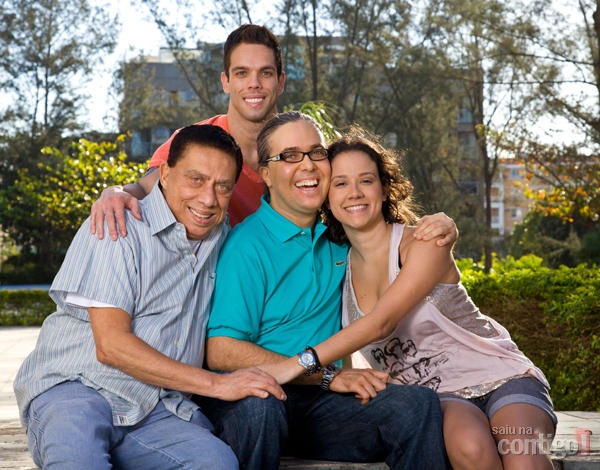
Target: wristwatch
column 329, row 372
column 309, row 360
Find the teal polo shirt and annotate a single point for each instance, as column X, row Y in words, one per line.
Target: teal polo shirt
column 277, row 285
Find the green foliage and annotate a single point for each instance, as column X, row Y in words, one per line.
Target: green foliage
column 48, row 50
column 553, row 316
column 322, row 113
column 42, row 211
column 561, row 180
column 24, row 307
column 555, row 240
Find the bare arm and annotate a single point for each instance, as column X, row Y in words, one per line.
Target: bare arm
column 117, row 346
column 438, row 226
column 114, row 200
column 224, row 353
column 424, row 266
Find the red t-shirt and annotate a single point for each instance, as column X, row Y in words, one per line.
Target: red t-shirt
column 248, row 189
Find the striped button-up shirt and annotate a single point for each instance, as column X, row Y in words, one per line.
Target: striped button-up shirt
column 153, row 275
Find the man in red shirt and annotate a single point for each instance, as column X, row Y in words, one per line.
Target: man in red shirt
column 253, row 77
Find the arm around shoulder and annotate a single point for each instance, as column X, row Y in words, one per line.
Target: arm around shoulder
column 113, row 202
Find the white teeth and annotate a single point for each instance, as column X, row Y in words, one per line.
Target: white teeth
column 254, row 100
column 306, row 183
column 356, row 208
column 197, row 214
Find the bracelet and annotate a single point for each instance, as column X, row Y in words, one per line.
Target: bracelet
column 329, row 373
column 316, row 356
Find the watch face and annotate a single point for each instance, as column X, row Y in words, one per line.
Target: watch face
column 306, row 358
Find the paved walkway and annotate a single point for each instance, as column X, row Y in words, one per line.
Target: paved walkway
column 570, row 442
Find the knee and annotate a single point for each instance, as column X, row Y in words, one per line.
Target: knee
column 69, row 437
column 254, row 411
column 470, row 453
column 418, row 400
column 221, row 457
column 71, row 419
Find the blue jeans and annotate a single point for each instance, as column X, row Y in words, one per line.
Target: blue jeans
column 70, row 427
column 402, row 426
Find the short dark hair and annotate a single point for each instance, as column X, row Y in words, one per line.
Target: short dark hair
column 205, row 135
column 399, row 206
column 280, row 119
column 251, row 34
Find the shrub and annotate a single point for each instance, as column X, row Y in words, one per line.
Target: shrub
column 554, row 317
column 24, row 307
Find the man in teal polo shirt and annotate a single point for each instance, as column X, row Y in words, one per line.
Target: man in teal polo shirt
column 290, row 274
column 278, row 289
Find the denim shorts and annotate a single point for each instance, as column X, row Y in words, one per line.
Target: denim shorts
column 520, row 390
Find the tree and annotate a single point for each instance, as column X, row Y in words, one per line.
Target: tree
column 570, row 94
column 571, row 180
column 145, row 105
column 548, row 237
column 47, row 49
column 486, row 49
column 60, row 197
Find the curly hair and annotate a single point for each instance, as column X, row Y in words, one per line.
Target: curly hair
column 399, row 206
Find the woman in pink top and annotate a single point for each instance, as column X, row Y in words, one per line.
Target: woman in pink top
column 408, row 314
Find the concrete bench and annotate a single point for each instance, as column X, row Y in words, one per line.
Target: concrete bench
column 14, row 455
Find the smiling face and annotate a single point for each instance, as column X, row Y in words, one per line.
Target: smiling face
column 297, row 190
column 356, row 194
column 253, row 85
column 198, row 188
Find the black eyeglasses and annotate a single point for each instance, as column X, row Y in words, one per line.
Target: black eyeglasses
column 296, row 156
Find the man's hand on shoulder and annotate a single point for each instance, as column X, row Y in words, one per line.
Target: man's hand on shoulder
column 247, row 382
column 364, row 383
column 111, row 206
column 437, row 225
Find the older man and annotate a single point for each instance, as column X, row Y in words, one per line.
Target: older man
column 108, row 382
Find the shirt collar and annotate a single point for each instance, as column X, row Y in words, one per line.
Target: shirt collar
column 159, row 217
column 282, row 228
column 156, row 211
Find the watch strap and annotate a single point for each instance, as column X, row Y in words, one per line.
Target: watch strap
column 316, row 356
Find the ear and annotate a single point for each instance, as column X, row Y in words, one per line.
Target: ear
column 281, row 84
column 263, row 171
column 164, row 173
column 225, row 82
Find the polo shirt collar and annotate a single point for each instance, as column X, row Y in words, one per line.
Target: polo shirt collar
column 282, row 228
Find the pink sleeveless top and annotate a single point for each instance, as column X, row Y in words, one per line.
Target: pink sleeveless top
column 445, row 343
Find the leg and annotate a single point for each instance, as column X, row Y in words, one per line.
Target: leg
column 255, row 428
column 164, row 441
column 401, row 425
column 524, row 435
column 523, row 423
column 70, row 427
column 468, row 439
